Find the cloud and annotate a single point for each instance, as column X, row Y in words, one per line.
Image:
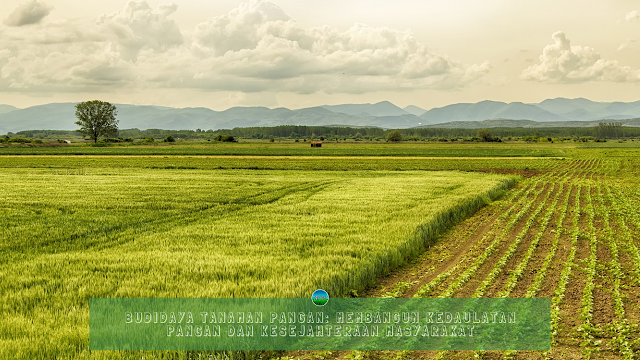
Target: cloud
column 31, row 12
column 259, row 42
column 64, row 71
column 561, row 62
column 626, row 44
column 633, row 16
column 138, row 26
column 256, row 47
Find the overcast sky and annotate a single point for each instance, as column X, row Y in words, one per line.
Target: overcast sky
column 295, row 53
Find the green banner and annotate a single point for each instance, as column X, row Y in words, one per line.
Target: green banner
column 300, row 324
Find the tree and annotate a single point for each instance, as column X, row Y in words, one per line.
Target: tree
column 609, row 130
column 485, row 135
column 96, row 118
column 394, row 136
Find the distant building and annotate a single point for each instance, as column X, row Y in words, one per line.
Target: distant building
column 316, row 144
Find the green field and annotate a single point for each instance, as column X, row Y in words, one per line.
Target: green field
column 109, row 232
column 140, row 223
column 368, row 148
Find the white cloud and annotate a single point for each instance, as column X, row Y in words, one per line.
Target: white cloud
column 258, row 42
column 633, row 16
column 138, row 26
column 256, row 47
column 31, row 12
column 626, row 44
column 561, row 62
column 65, row 70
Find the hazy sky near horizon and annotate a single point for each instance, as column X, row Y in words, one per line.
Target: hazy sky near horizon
column 295, row 54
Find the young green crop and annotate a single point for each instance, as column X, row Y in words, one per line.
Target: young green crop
column 194, row 233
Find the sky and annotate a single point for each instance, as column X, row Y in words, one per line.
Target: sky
column 298, row 53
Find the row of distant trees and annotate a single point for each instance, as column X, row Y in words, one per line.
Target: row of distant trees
column 604, row 130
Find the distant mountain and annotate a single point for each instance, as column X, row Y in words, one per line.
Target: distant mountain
column 383, row 108
column 7, row 108
column 396, row 122
column 412, row 109
column 563, row 105
column 551, row 112
column 485, row 110
column 61, row 116
column 506, row 123
column 579, row 115
column 594, row 110
column 41, row 117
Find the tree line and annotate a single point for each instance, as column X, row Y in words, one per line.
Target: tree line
column 603, row 131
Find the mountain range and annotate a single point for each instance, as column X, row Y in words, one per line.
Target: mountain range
column 550, row 112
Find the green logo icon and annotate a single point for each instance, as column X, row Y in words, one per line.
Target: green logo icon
column 320, row 297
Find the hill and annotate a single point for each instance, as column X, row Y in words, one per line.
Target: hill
column 552, row 112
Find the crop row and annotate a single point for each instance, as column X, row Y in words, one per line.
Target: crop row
column 471, row 270
column 542, row 272
column 522, row 194
column 620, row 323
column 621, row 207
column 519, row 270
column 499, row 266
column 558, row 295
column 587, row 328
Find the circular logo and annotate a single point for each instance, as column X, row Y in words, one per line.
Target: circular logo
column 320, row 297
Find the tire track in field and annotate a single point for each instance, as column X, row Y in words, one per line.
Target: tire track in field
column 120, row 234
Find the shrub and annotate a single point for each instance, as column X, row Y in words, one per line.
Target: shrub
column 394, row 136
column 18, row 140
column 485, row 135
column 228, row 138
column 169, row 139
column 148, row 140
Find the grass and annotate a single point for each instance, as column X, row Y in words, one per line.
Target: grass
column 106, row 232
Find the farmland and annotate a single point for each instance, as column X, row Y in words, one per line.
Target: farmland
column 229, row 221
column 105, row 232
column 569, row 234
